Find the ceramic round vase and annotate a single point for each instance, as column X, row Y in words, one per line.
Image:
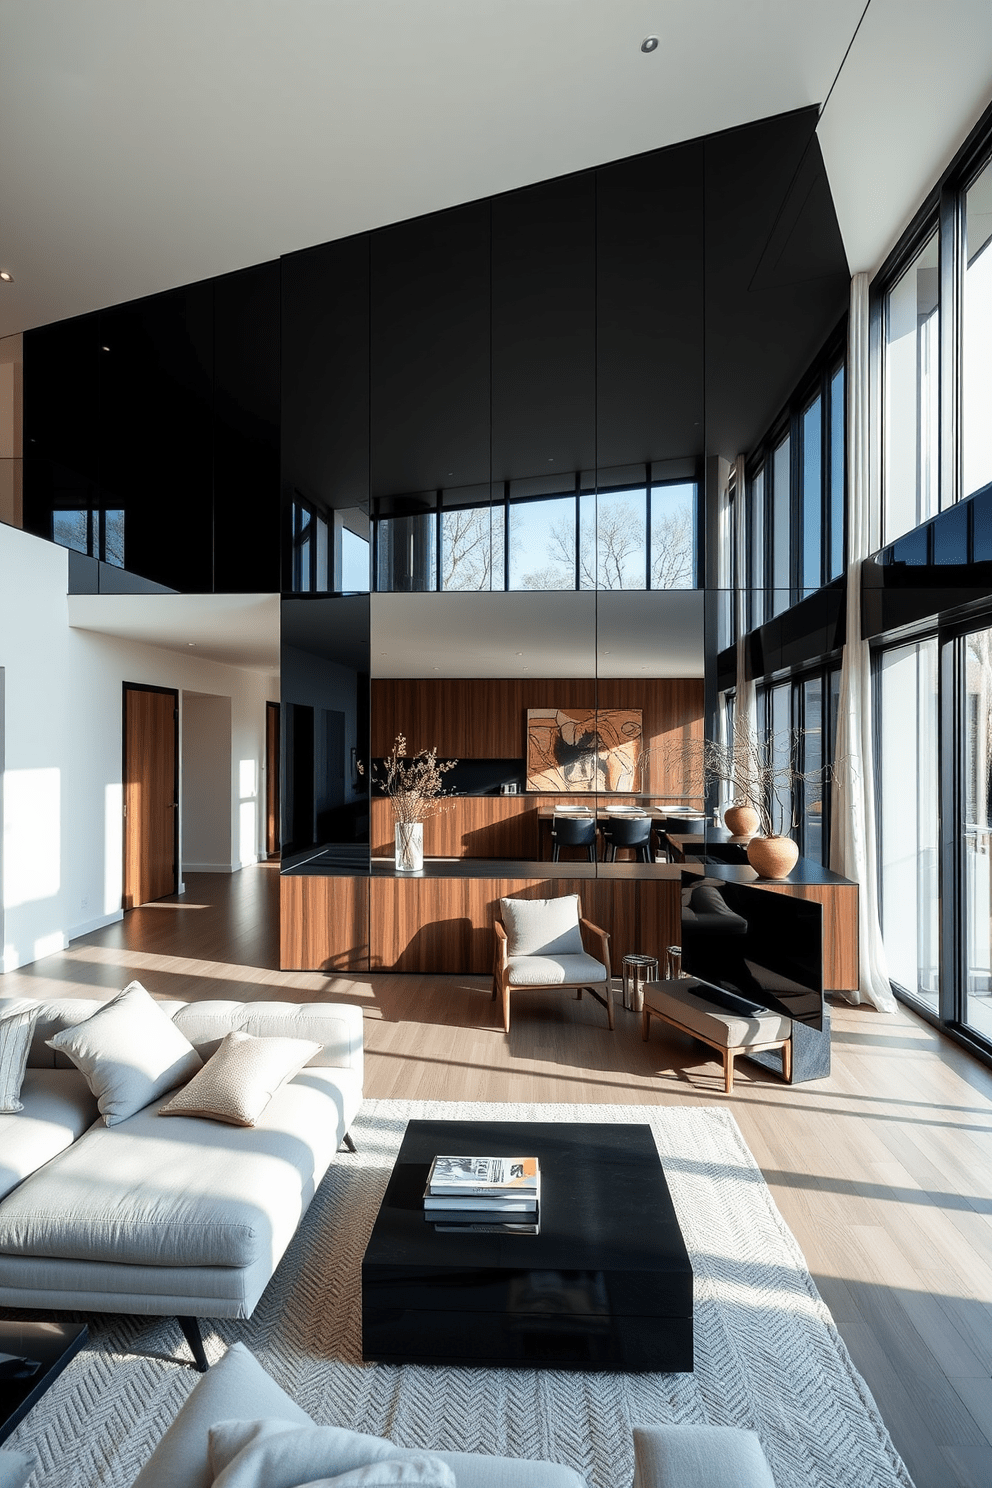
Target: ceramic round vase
column 409, row 847
column 772, row 857
column 741, row 820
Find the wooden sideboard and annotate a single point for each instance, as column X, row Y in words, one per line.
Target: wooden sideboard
column 445, row 924
column 442, row 921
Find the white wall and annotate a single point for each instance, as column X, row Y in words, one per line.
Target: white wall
column 62, row 825
column 205, row 755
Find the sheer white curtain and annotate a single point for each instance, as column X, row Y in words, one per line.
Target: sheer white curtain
column 852, row 838
column 745, row 708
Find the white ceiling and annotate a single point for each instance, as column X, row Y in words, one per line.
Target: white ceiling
column 149, row 145
column 238, row 629
column 553, row 634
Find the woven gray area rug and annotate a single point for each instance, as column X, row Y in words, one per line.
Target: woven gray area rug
column 767, row 1353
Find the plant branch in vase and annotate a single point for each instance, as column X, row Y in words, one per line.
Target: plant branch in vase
column 415, row 787
column 768, row 787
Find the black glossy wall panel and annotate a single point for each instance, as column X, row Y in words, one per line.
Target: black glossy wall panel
column 544, row 330
column 650, row 282
column 430, row 353
column 156, row 433
column 246, row 430
column 777, row 280
column 324, row 667
column 325, row 374
column 61, row 414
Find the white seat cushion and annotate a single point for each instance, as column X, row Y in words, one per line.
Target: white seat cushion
column 730, row 1030
column 58, row 1106
column 183, row 1192
column 555, row 971
column 542, row 927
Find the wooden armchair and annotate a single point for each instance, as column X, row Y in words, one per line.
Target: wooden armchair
column 545, row 943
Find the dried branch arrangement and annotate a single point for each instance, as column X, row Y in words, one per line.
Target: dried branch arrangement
column 764, row 773
column 413, row 784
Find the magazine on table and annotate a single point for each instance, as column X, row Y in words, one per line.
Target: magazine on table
column 474, row 1204
column 477, row 1228
column 484, row 1175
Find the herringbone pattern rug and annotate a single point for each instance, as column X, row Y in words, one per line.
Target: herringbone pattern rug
column 767, row 1353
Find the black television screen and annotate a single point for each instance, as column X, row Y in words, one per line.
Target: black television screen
column 756, row 944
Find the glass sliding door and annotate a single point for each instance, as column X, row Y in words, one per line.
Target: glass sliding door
column 976, row 832
column 907, row 699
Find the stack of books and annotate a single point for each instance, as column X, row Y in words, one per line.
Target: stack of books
column 484, row 1194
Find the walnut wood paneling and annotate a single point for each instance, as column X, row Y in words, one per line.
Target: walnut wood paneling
column 472, row 718
column 446, row 924
column 672, row 717
column 840, row 929
column 149, row 794
column 323, row 923
column 471, row 827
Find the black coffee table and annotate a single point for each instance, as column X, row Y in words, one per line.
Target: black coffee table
column 606, row 1284
column 53, row 1345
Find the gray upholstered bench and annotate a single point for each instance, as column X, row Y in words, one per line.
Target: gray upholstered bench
column 683, row 1004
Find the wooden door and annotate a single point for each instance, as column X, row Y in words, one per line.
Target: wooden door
column 272, row 842
column 151, row 809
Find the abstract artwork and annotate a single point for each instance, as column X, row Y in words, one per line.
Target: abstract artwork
column 583, row 749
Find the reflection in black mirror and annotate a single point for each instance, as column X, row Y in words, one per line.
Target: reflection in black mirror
column 325, row 711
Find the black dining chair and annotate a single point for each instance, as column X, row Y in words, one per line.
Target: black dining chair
column 573, row 831
column 631, row 831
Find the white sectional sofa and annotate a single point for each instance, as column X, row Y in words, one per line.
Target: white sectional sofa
column 238, row 1389
column 185, row 1216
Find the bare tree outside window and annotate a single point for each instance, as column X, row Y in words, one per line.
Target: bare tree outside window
column 472, row 548
column 612, row 555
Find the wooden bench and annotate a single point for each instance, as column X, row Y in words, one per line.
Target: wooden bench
column 683, row 1004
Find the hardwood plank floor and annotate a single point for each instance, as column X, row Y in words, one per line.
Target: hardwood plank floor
column 883, row 1171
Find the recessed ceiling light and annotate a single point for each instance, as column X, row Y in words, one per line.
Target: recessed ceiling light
column 7, row 277
column 191, row 643
column 104, row 348
column 649, row 44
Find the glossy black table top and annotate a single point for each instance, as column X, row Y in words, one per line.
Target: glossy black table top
column 52, row 1345
column 605, row 1208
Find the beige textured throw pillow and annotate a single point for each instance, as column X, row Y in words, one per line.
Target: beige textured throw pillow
column 238, row 1081
column 279, row 1454
column 131, row 1052
column 17, row 1021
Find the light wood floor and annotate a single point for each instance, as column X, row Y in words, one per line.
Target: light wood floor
column 883, row 1171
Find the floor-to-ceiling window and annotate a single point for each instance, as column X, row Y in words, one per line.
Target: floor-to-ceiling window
column 910, row 471
column 909, row 823
column 976, row 336
column 975, row 715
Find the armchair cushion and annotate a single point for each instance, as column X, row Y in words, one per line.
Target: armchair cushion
column 543, row 927
column 555, row 971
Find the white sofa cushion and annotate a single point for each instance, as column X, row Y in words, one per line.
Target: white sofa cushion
column 17, row 1020
column 337, row 1027
column 57, row 1107
column 130, row 1052
column 542, row 927
column 699, row 1457
column 237, row 1385
column 272, row 1453
column 555, row 971
column 237, row 1083
column 183, row 1192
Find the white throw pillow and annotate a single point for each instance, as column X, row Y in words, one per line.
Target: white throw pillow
column 542, row 927
column 237, row 1083
column 131, row 1052
column 17, row 1022
column 278, row 1454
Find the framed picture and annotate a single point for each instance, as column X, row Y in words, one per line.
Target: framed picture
column 584, row 749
